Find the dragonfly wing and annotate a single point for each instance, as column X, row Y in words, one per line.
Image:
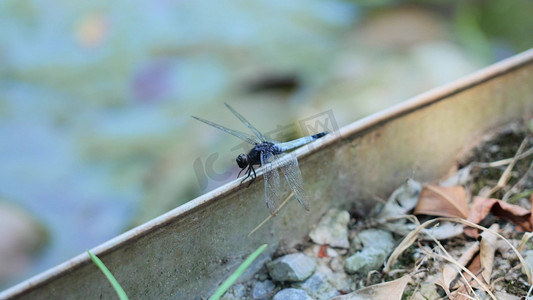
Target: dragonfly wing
column 257, row 133
column 241, row 135
column 289, row 166
column 272, row 181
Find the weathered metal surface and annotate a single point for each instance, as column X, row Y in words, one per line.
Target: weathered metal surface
column 187, row 252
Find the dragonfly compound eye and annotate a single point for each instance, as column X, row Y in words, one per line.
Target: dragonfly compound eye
column 242, row 160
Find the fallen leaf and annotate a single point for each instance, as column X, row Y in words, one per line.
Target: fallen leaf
column 483, row 262
column 444, row 230
column 461, row 177
column 407, row 241
column 464, row 289
column 400, row 227
column 481, row 207
column 442, row 201
column 388, row 290
column 487, row 248
column 401, row 201
column 450, row 271
column 323, row 251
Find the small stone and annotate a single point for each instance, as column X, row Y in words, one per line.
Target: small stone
column 262, row 289
column 340, row 281
column 332, row 229
column 318, row 285
column 336, row 265
column 21, row 239
column 235, row 292
column 374, row 238
column 262, row 274
column 292, row 294
column 293, row 267
column 376, row 245
column 365, row 261
column 505, row 296
column 481, row 294
column 426, row 291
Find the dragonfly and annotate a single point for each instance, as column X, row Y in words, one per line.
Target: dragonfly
column 272, row 156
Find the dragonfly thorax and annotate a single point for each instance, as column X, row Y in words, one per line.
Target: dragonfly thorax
column 254, row 156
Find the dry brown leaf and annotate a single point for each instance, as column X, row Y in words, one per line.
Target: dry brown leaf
column 487, row 248
column 463, row 290
column 468, row 223
column 445, row 256
column 412, row 236
column 407, row 241
column 444, row 231
column 442, row 201
column 483, row 263
column 481, row 207
column 450, row 271
column 438, row 281
column 388, row 290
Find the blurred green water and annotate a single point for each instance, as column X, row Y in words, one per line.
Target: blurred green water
column 95, row 100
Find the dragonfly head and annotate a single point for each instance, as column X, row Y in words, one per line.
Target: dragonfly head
column 242, row 160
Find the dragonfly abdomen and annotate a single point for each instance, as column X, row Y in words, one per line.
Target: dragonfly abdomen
column 299, row 142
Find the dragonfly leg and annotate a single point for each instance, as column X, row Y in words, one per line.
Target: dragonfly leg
column 243, row 180
column 238, row 175
column 248, row 174
column 253, row 177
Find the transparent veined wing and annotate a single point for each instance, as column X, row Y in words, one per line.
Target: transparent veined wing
column 272, row 181
column 241, row 135
column 291, row 171
column 257, row 133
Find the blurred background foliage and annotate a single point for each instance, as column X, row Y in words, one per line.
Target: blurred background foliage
column 96, row 97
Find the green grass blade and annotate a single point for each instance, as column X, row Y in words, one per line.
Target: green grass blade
column 120, row 291
column 226, row 284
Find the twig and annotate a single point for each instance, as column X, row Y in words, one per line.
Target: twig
column 369, row 276
column 493, row 284
column 450, row 259
column 273, row 214
column 518, row 184
column 411, row 237
column 506, row 174
column 503, row 162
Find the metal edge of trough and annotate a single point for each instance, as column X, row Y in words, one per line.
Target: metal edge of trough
column 147, row 272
